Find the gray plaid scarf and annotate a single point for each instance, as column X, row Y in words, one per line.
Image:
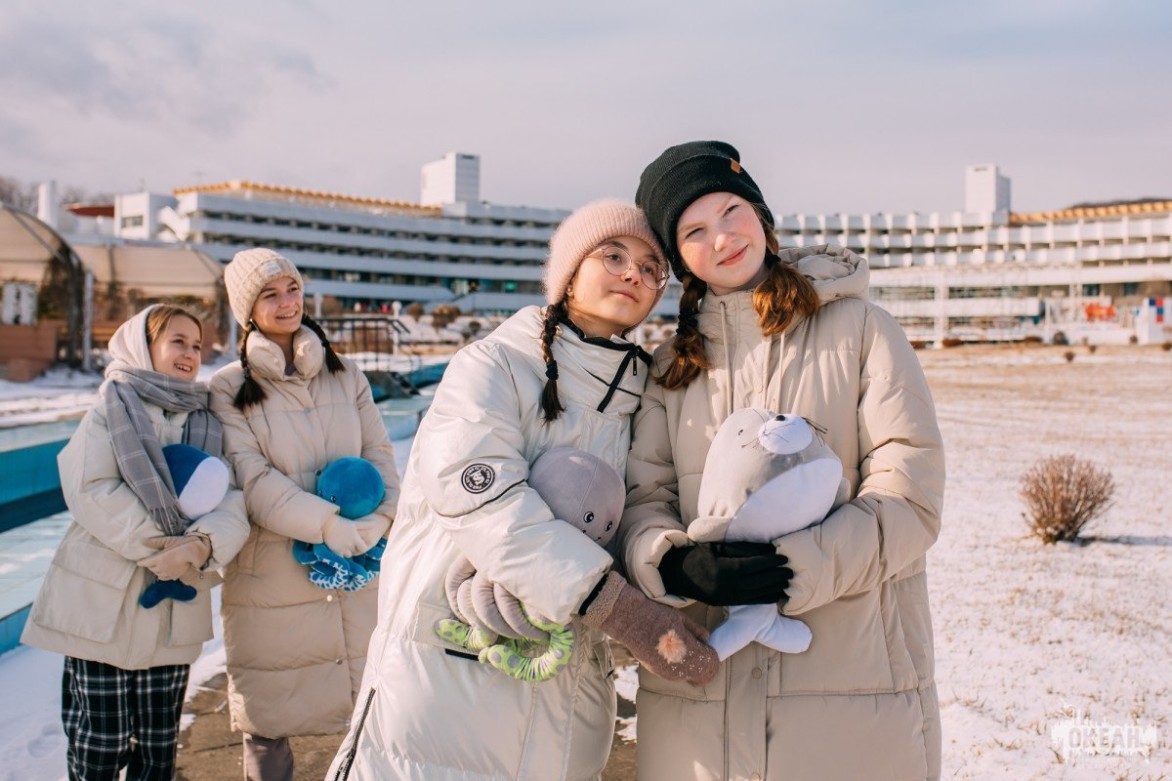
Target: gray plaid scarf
column 136, row 446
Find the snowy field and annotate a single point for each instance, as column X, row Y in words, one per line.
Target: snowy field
column 1039, row 649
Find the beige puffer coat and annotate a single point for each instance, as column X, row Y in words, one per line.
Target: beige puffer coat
column 88, row 603
column 426, row 712
column 295, row 651
column 861, row 702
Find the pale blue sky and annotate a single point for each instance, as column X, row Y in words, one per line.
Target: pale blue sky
column 836, row 105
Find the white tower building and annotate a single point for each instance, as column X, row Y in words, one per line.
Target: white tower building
column 985, row 190
column 454, row 178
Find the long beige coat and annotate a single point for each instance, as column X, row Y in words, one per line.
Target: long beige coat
column 295, row 651
column 861, row 702
column 427, row 713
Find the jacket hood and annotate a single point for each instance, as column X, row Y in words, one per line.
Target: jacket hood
column 128, row 345
column 836, row 272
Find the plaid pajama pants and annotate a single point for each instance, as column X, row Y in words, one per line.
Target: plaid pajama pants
column 117, row 718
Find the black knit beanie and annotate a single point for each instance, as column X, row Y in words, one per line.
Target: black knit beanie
column 684, row 173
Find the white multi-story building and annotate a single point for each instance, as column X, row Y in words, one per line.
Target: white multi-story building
column 986, row 273
column 989, row 274
column 367, row 252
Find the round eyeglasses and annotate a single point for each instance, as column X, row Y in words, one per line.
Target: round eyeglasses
column 617, row 260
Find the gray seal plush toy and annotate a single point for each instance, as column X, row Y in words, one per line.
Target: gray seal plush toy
column 766, row 475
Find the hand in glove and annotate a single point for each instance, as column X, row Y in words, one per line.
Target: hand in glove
column 660, row 637
column 726, row 573
column 371, row 528
column 177, row 555
column 344, row 537
column 487, row 606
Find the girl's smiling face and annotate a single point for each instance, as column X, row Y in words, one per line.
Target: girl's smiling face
column 278, row 308
column 721, row 241
column 176, row 351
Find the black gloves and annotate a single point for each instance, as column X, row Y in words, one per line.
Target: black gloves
column 727, row 573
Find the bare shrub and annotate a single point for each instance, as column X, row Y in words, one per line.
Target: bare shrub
column 1059, row 338
column 414, row 310
column 1091, row 348
column 1068, row 355
column 1166, row 346
column 1062, row 495
column 951, row 341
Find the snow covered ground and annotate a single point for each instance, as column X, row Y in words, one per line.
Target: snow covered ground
column 1040, row 649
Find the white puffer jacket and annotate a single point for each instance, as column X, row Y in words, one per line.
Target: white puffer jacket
column 426, row 713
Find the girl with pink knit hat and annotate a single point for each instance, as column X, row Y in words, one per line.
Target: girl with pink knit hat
column 554, row 377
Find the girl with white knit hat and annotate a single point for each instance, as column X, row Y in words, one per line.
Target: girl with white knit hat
column 558, row 376
column 290, row 406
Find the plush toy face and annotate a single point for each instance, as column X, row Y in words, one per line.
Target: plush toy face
column 765, row 475
column 581, row 489
column 353, row 484
column 200, row 480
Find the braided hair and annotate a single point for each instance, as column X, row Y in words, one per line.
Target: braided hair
column 251, row 391
column 551, row 406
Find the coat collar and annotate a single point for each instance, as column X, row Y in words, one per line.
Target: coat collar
column 604, row 374
column 265, row 358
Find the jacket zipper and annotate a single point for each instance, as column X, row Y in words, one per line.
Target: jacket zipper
column 344, row 770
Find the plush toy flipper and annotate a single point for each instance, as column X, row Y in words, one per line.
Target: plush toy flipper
column 200, row 480
column 762, row 624
column 166, row 589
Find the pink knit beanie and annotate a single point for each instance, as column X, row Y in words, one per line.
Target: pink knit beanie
column 583, row 231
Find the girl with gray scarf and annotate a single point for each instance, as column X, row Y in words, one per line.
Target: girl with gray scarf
column 126, row 666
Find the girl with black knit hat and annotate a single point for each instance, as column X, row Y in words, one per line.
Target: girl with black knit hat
column 787, row 330
column 291, row 406
column 558, row 376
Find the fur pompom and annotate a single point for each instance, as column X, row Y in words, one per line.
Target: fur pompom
column 672, row 647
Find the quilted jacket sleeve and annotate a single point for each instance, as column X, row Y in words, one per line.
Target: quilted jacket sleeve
column 273, row 501
column 376, row 446
column 895, row 515
column 100, row 500
column 651, row 522
column 473, row 472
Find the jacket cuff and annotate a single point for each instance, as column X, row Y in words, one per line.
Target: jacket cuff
column 642, row 560
column 805, row 557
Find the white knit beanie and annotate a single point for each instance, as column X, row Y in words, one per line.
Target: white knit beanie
column 248, row 273
column 583, row 231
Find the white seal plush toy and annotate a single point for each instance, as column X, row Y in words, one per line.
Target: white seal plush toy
column 766, row 475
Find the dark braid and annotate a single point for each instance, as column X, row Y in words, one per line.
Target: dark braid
column 250, row 392
column 333, row 362
column 551, row 407
column 689, row 359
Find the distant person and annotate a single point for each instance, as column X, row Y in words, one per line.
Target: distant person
column 560, row 376
column 290, row 406
column 127, row 665
column 787, row 331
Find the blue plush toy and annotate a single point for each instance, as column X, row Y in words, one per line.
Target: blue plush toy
column 357, row 488
column 200, row 482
